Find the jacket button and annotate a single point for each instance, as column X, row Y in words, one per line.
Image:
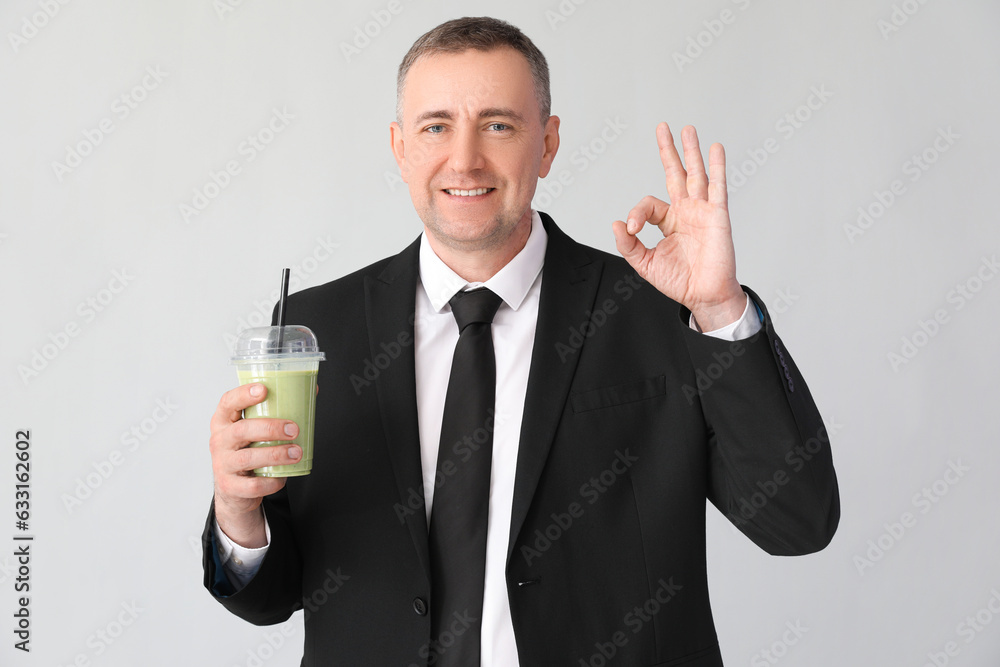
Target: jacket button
column 420, row 606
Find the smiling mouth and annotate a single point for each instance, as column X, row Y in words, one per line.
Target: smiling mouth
column 468, row 193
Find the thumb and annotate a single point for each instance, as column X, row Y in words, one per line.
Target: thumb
column 630, row 247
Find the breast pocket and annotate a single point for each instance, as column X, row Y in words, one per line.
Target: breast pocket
column 619, row 394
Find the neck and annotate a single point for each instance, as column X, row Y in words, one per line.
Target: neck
column 480, row 264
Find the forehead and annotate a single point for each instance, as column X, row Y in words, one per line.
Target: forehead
column 469, row 80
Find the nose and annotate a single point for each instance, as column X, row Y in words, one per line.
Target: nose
column 466, row 151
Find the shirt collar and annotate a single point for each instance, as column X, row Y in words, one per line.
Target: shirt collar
column 511, row 283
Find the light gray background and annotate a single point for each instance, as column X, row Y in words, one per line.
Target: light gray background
column 842, row 301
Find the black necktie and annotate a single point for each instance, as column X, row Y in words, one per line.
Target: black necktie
column 462, row 486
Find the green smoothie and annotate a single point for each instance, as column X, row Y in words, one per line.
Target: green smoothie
column 291, row 394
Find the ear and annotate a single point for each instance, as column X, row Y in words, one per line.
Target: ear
column 550, row 142
column 398, row 150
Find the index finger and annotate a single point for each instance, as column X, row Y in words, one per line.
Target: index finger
column 672, row 167
column 234, row 401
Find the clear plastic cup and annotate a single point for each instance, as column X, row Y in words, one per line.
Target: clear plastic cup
column 286, row 361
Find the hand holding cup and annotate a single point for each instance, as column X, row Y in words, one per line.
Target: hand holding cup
column 238, row 492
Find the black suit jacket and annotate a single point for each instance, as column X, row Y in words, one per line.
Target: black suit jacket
column 631, row 420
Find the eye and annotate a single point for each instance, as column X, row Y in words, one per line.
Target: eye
column 499, row 127
column 434, row 129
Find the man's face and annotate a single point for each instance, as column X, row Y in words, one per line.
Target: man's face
column 471, row 123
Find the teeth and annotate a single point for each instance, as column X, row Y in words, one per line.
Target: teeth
column 468, row 193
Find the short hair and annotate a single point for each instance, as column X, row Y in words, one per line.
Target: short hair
column 482, row 33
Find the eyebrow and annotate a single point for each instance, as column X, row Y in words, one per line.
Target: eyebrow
column 492, row 112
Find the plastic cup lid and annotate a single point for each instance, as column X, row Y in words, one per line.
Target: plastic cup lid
column 293, row 343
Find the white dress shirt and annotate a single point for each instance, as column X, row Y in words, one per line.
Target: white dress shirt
column 435, row 336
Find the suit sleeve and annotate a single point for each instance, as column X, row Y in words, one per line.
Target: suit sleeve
column 275, row 591
column 771, row 469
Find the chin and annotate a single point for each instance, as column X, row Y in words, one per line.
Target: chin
column 469, row 235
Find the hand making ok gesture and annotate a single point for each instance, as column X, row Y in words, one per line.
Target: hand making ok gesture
column 694, row 263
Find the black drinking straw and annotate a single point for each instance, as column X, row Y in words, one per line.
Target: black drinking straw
column 281, row 308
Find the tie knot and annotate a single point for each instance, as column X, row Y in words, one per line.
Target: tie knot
column 478, row 305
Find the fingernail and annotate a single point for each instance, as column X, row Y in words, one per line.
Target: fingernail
column 256, row 390
column 294, row 453
column 291, row 430
column 630, row 225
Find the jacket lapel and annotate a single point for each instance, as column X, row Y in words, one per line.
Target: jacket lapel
column 569, row 286
column 389, row 300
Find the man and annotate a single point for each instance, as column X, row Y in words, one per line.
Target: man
column 613, row 418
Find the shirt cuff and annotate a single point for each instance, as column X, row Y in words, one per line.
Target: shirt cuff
column 240, row 563
column 749, row 323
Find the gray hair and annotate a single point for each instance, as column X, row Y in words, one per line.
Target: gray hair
column 482, row 33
